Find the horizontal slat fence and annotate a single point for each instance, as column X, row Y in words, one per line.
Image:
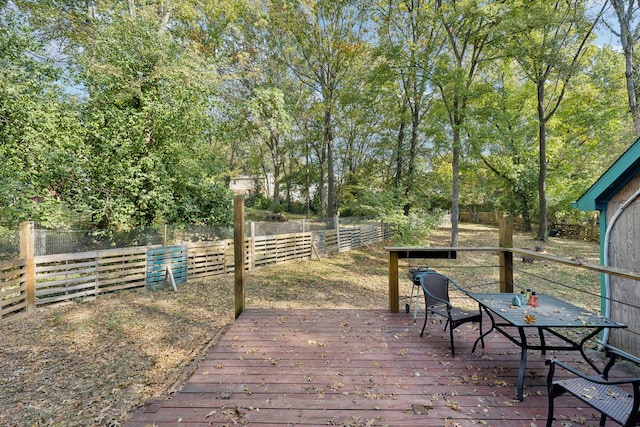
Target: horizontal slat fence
column 65, row 276
column 326, row 242
column 281, row 248
column 209, row 259
column 62, row 277
column 119, row 269
column 13, row 288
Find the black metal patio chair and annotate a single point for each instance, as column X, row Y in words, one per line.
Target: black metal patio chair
column 435, row 287
column 618, row 400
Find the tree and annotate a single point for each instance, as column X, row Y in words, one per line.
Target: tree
column 319, row 41
column 589, row 132
column 503, row 136
column 41, row 151
column 628, row 32
column 272, row 123
column 468, row 30
column 149, row 101
column 549, row 42
column 410, row 40
column 170, row 99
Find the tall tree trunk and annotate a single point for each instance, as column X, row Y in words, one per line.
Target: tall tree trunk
column 627, row 40
column 88, row 4
column 455, row 187
column 526, row 214
column 400, row 148
column 307, row 178
column 328, row 137
column 276, row 186
column 274, row 145
column 320, row 191
column 542, row 175
column 413, row 153
column 132, row 8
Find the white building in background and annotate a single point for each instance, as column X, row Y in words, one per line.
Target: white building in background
column 246, row 185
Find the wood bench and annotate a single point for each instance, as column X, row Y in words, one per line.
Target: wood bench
column 618, row 400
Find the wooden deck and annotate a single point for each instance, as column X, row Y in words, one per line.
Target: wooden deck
column 359, row 368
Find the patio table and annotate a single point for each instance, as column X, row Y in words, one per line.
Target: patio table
column 553, row 316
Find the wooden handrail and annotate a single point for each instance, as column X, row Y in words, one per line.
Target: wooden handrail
column 506, row 268
column 575, row 262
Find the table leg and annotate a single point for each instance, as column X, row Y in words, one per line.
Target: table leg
column 542, row 341
column 584, row 355
column 523, row 364
column 481, row 337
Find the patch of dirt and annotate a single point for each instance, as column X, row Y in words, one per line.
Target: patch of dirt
column 91, row 362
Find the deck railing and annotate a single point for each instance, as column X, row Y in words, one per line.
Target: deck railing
column 513, row 270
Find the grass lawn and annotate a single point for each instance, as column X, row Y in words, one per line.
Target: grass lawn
column 92, row 362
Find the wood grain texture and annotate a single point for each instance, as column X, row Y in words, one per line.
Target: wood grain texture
column 358, row 368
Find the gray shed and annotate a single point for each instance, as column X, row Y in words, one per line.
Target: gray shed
column 616, row 194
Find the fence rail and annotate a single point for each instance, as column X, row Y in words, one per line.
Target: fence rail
column 64, row 277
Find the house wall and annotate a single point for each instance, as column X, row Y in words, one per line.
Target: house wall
column 624, row 253
column 241, row 185
column 246, row 185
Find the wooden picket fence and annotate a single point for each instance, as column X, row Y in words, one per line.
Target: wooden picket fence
column 36, row 281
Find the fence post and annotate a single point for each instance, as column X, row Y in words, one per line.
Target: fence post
column 27, row 244
column 238, row 252
column 336, row 223
column 252, row 235
column 506, row 257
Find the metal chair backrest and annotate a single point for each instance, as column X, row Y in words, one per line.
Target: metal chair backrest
column 436, row 288
column 436, row 294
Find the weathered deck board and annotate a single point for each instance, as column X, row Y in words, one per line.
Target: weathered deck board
column 358, row 368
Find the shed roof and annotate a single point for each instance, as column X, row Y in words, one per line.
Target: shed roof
column 617, row 176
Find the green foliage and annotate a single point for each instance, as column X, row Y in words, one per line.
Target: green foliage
column 148, row 114
column 39, row 133
column 258, row 201
column 413, row 229
column 206, row 203
column 398, row 104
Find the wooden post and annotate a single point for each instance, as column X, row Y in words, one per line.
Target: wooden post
column 238, row 252
column 27, row 252
column 506, row 257
column 394, row 292
column 337, row 226
column 252, row 254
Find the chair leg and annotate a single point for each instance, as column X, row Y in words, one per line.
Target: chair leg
column 424, row 325
column 453, row 351
column 550, row 410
